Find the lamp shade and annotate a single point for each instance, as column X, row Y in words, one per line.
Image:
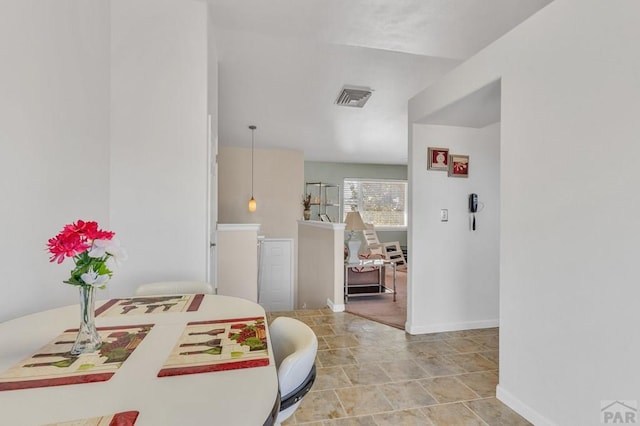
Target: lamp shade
column 252, row 204
column 354, row 222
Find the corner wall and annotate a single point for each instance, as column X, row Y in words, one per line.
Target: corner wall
column 54, row 141
column 103, row 117
column 454, row 272
column 569, row 209
column 159, row 140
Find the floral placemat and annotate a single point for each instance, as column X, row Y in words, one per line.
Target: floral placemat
column 151, row 305
column 53, row 365
column 124, row 418
column 228, row 344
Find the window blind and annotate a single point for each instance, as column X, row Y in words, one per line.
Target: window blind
column 381, row 202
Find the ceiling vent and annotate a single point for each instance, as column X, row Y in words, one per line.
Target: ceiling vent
column 353, row 96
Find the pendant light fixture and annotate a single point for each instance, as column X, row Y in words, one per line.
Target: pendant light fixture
column 252, row 201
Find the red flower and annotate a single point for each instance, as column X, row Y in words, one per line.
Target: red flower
column 68, row 245
column 89, row 230
column 74, row 239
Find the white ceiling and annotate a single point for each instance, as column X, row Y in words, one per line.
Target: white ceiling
column 282, row 64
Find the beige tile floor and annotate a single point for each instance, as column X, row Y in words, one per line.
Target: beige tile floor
column 372, row 374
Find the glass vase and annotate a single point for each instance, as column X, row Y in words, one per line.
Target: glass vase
column 88, row 339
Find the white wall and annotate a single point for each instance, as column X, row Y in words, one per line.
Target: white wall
column 454, row 272
column 158, row 139
column 54, row 141
column 569, row 225
column 103, row 117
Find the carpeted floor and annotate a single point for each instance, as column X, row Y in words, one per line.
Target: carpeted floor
column 381, row 308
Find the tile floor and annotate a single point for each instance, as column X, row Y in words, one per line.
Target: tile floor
column 372, row 374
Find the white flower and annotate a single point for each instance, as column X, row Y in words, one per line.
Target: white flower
column 118, row 252
column 91, row 277
column 100, row 248
column 111, row 263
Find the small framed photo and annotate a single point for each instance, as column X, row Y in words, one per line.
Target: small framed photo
column 324, row 218
column 458, row 165
column 437, row 158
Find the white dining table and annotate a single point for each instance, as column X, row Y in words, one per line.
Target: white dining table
column 245, row 397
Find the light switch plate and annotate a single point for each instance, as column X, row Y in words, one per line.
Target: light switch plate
column 444, row 215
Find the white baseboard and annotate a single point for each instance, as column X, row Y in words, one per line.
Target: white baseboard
column 335, row 307
column 521, row 408
column 451, row 326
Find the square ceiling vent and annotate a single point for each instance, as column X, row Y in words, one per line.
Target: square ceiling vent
column 352, row 96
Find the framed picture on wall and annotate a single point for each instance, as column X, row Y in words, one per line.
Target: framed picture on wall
column 458, row 165
column 437, row 158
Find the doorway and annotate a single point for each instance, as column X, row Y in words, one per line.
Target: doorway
column 455, row 283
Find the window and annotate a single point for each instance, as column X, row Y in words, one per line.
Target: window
column 381, row 202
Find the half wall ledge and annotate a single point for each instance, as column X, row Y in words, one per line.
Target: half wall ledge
column 320, row 265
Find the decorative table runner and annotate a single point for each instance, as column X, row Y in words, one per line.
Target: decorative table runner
column 125, row 418
column 151, row 305
column 53, row 365
column 219, row 345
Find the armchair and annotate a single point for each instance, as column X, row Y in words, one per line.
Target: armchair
column 390, row 250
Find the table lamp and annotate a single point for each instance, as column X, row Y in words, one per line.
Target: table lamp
column 353, row 223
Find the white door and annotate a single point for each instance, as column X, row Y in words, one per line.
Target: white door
column 276, row 275
column 212, row 138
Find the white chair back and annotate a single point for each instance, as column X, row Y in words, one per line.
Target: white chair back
column 295, row 347
column 174, row 287
column 370, row 235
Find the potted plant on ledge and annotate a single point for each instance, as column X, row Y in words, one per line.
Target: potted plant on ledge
column 306, row 203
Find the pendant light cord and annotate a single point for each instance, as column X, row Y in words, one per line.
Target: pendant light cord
column 252, row 129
